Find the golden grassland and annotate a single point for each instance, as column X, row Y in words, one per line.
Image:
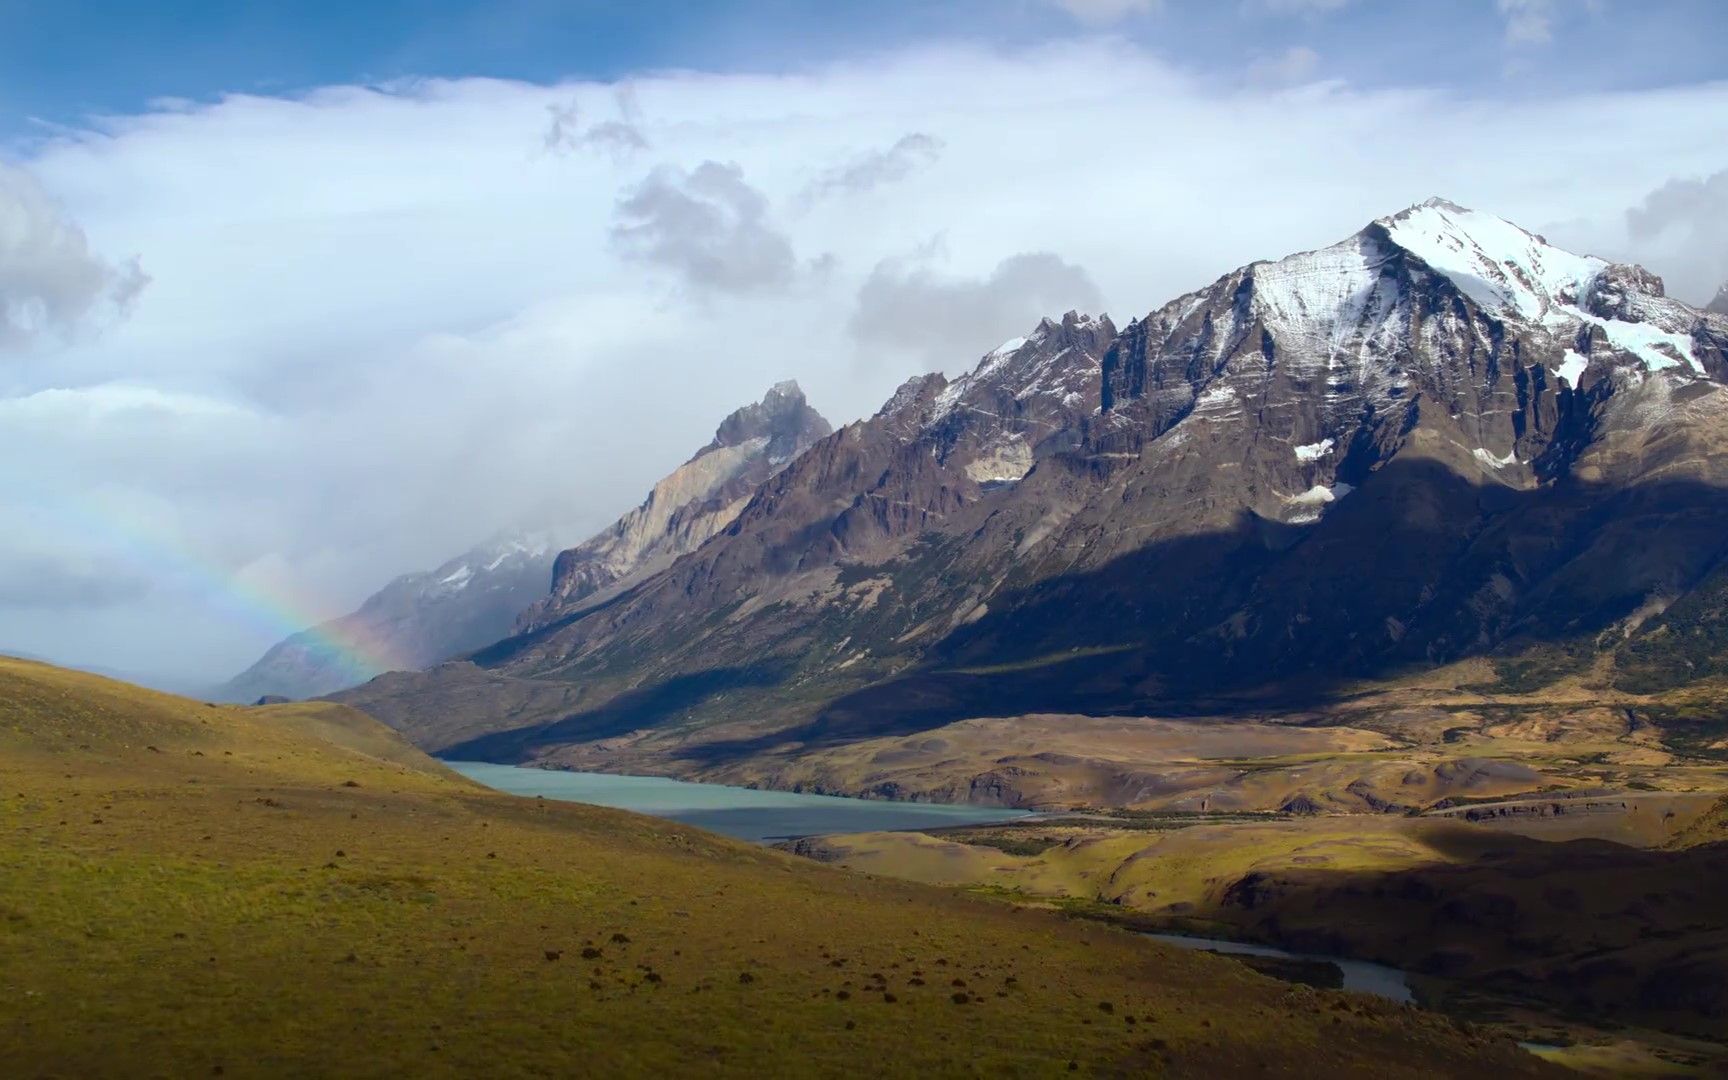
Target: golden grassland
column 1596, row 935
column 190, row 890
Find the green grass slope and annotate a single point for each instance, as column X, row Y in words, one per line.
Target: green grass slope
column 191, row 890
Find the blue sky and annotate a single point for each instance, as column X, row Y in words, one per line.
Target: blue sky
column 61, row 60
column 295, row 298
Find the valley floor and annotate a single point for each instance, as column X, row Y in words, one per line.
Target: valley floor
column 1422, row 744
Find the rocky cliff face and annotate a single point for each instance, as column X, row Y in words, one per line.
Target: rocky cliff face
column 1439, row 438
column 694, row 502
column 417, row 620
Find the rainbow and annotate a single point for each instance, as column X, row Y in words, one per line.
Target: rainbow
column 165, row 557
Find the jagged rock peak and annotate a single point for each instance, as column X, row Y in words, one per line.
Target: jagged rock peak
column 1719, row 306
column 1054, row 369
column 783, row 417
column 1073, row 321
column 909, row 393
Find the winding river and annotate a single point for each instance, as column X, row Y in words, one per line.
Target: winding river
column 1359, row 975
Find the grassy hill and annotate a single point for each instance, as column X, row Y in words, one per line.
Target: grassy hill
column 1533, row 920
column 189, row 889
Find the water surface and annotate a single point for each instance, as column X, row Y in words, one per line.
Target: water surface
column 1359, row 975
column 745, row 813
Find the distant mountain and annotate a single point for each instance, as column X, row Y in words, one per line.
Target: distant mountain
column 1719, row 305
column 1440, row 438
column 482, row 595
column 417, row 620
column 692, row 503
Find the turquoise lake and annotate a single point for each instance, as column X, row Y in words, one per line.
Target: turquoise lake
column 745, row 813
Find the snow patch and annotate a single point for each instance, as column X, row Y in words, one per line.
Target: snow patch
column 1493, row 462
column 1572, row 367
column 459, row 578
column 1311, row 502
column 950, row 395
column 1314, row 451
column 1319, row 299
column 1215, row 398
column 1493, row 261
column 1658, row 349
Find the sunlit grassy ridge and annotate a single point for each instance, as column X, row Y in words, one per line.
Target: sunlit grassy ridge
column 188, row 889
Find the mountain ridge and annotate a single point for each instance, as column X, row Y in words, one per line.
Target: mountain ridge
column 1525, row 443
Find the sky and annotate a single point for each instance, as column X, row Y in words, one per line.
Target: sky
column 295, row 298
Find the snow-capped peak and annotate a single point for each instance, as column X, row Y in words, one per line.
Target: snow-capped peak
column 1494, row 262
column 511, row 550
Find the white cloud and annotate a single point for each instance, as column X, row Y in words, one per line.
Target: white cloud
column 51, row 283
column 1296, row 64
column 876, row 168
column 1106, row 12
column 1308, row 8
column 1532, row 22
column 385, row 322
column 1528, row 22
column 620, row 138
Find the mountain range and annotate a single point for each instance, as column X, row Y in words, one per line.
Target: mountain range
column 478, row 597
column 1440, row 438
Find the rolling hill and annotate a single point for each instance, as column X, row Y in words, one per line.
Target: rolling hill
column 195, row 889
